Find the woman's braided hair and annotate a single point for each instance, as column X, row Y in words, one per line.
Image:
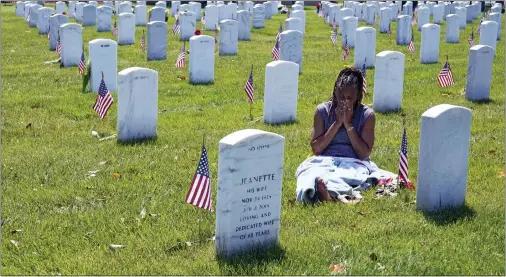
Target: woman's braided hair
column 349, row 77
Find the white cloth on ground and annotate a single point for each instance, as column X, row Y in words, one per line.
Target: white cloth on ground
column 343, row 176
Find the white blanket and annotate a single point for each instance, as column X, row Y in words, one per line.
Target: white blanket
column 343, row 176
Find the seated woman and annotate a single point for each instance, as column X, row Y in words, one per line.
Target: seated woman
column 342, row 140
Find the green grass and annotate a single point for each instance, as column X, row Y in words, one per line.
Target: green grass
column 68, row 220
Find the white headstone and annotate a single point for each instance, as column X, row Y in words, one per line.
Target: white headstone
column 202, row 59
column 79, row 11
column 197, row 9
column 290, row 47
column 249, row 6
column 268, row 10
column 43, row 20
column 407, row 9
column 281, row 92
column 452, row 28
column 104, row 19
column 429, row 46
column 157, row 14
column 212, row 17
column 222, row 12
column 350, row 25
column 258, row 16
column 469, row 14
column 232, row 10
column 346, row 12
column 293, row 24
column 89, row 15
column 302, row 15
column 157, row 40
column 125, row 7
column 445, row 136
column 365, row 47
column 250, row 176
column 34, row 15
column 274, row 7
column 109, row 4
column 20, row 8
column 161, row 4
column 229, row 37
column 496, row 8
column 61, row 7
column 431, row 6
column 370, row 13
column 438, row 13
column 395, row 12
column 488, row 33
column 137, row 104
column 141, row 17
column 103, row 55
column 116, row 7
column 388, row 81
column 385, row 20
column 423, row 17
column 72, row 9
column 496, row 17
column 403, row 33
column 94, row 3
column 142, row 3
column 334, row 14
column 479, row 73
column 175, row 7
column 55, row 21
column 188, row 25
column 71, row 39
column 244, row 25
column 126, row 28
column 462, row 13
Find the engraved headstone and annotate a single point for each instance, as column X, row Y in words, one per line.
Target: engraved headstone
column 104, row 58
column 438, row 13
column 55, row 21
column 443, row 158
column 141, row 17
column 229, row 37
column 388, row 81
column 350, row 25
column 125, row 7
column 137, row 104
column 89, row 15
column 157, row 41
column 188, row 25
column 479, row 73
column 244, row 25
column 452, row 28
column 104, row 19
column 250, row 175
column 34, row 15
column 212, row 17
column 488, row 34
column 423, row 17
column 43, row 20
column 157, row 14
column 403, row 33
column 385, row 19
column 365, row 47
column 429, row 46
column 202, row 59
column 71, row 39
column 281, row 92
column 258, row 16
column 290, row 47
column 126, row 28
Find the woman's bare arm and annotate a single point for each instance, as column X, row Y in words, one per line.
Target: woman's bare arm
column 364, row 143
column 319, row 138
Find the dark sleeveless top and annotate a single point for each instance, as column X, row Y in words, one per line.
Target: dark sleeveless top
column 341, row 146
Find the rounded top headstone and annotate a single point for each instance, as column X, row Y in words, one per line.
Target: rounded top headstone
column 430, row 26
column 390, row 53
column 246, row 135
column 447, row 110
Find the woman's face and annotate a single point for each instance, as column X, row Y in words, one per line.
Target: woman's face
column 347, row 94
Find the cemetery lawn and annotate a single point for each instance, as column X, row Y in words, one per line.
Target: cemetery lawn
column 68, row 220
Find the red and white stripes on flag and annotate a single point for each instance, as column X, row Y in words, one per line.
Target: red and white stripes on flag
column 403, row 160
column 411, row 45
column 471, row 39
column 82, row 64
column 275, row 51
column 180, row 58
column 115, row 29
column 249, row 87
column 200, row 190
column 346, row 49
column 104, row 100
column 389, row 31
column 58, row 46
column 333, row 37
column 143, row 42
column 445, row 77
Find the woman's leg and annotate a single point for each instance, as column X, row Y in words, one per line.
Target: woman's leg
column 322, row 189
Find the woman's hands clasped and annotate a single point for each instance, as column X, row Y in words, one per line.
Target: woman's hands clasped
column 344, row 114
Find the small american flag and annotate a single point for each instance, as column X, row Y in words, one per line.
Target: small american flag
column 333, row 37
column 413, row 21
column 327, row 18
column 58, row 46
column 364, row 75
column 82, row 64
column 403, row 161
column 362, row 16
column 389, row 31
column 471, row 39
column 104, row 100
column 75, row 12
column 411, row 45
column 203, row 20
column 445, row 77
column 346, row 49
column 115, row 29
column 143, row 42
column 176, row 28
column 49, row 32
column 149, row 16
column 180, row 58
column 200, row 190
column 334, row 23
column 215, row 36
column 374, row 20
column 275, row 51
column 249, row 87
column 479, row 24
column 279, row 32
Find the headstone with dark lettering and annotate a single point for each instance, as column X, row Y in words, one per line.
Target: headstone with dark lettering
column 248, row 206
column 103, row 54
column 479, row 72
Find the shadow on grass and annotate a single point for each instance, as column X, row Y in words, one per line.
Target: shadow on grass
column 137, row 141
column 252, row 262
column 482, row 102
column 282, row 124
column 201, row 84
column 450, row 216
column 391, row 112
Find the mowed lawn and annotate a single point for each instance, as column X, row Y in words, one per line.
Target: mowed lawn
column 68, row 220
